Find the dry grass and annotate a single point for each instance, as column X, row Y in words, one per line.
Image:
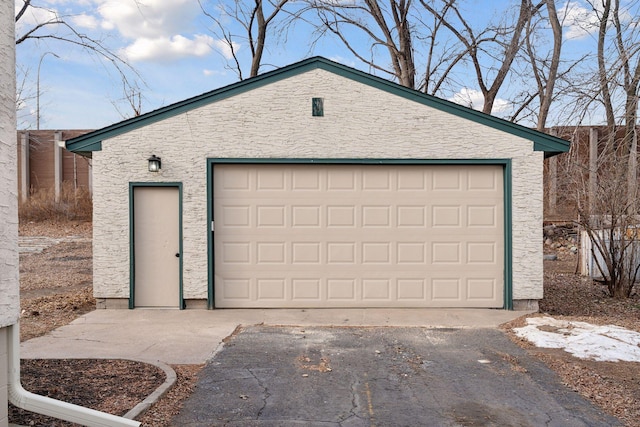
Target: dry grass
column 73, row 204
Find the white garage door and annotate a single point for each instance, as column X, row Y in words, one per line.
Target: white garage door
column 358, row 236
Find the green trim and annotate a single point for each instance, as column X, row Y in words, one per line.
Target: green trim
column 550, row 144
column 132, row 186
column 508, row 241
column 507, row 189
column 210, row 241
column 357, row 161
column 132, row 271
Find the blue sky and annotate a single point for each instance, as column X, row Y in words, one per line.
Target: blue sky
column 171, row 45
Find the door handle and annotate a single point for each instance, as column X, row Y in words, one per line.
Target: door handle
column 178, row 255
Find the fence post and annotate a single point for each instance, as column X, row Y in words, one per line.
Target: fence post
column 632, row 178
column 25, row 168
column 593, row 166
column 57, row 165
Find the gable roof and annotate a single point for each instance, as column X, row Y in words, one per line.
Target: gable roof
column 85, row 144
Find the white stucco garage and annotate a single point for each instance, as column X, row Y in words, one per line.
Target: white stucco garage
column 317, row 185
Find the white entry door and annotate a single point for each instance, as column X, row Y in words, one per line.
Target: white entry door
column 156, row 246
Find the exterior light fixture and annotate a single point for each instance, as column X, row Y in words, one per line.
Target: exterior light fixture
column 155, row 163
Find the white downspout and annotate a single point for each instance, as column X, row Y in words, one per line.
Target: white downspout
column 46, row 405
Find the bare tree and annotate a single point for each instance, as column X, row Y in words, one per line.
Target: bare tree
column 618, row 64
column 627, row 41
column 608, row 216
column 132, row 97
column 442, row 55
column 507, row 38
column 256, row 19
column 607, row 189
column 549, row 79
column 546, row 79
column 603, row 78
column 58, row 28
column 413, row 35
column 385, row 25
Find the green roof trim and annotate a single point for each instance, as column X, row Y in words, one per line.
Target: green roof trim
column 87, row 143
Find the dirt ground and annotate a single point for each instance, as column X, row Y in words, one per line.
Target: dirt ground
column 613, row 386
column 55, row 284
column 56, row 288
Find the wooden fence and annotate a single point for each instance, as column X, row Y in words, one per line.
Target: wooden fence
column 45, row 165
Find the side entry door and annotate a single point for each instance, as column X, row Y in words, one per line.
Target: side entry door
column 156, row 246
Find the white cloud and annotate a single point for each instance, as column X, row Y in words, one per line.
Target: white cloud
column 583, row 340
column 158, row 30
column 581, row 19
column 149, row 18
column 578, row 21
column 500, row 105
column 341, row 60
column 223, row 47
column 85, row 21
column 209, row 73
column 473, row 98
column 168, row 48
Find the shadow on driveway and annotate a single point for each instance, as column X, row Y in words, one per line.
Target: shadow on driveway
column 293, row 376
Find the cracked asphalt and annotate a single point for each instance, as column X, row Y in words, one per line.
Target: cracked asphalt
column 333, row 376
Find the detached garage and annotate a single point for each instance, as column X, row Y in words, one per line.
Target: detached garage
column 317, row 185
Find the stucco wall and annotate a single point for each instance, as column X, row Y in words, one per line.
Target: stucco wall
column 9, row 287
column 275, row 121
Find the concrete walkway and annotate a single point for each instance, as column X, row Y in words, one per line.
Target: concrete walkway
column 194, row 336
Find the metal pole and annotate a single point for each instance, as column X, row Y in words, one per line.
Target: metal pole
column 38, row 88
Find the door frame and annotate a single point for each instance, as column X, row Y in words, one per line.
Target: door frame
column 507, row 190
column 132, row 261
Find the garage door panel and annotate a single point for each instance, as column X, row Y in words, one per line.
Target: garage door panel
column 340, row 252
column 358, row 236
column 482, row 179
column 412, row 290
column 446, row 180
column 482, row 216
column 349, row 292
column 270, row 179
column 482, row 289
column 376, row 179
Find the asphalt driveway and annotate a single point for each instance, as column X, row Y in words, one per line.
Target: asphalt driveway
column 345, row 376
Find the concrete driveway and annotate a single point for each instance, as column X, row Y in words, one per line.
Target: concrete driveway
column 193, row 336
column 375, row 376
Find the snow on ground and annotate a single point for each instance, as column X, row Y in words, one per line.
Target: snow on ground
column 583, row 340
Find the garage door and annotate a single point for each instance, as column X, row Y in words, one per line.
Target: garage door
column 358, row 235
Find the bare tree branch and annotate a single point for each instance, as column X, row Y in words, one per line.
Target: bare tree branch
column 257, row 26
column 51, row 30
column 385, row 25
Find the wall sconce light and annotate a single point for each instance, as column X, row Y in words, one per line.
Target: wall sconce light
column 155, row 163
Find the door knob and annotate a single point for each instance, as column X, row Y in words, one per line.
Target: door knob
column 178, row 255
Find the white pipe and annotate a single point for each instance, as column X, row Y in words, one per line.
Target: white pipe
column 46, row 405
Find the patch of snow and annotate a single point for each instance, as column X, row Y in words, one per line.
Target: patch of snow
column 601, row 343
